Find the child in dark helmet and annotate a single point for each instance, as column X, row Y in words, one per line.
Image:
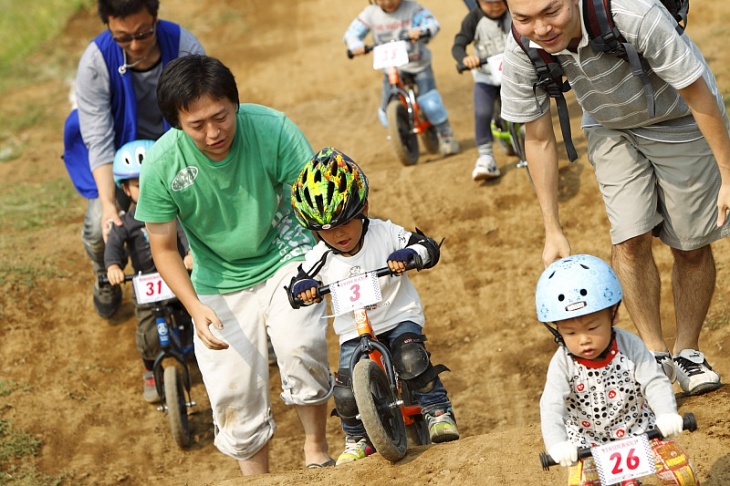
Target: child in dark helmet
column 330, row 198
column 603, row 384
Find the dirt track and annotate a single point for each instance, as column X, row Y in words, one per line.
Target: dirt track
column 83, row 398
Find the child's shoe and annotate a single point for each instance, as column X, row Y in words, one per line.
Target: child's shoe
column 485, row 168
column 355, row 448
column 694, row 373
column 150, row 389
column 441, row 425
column 448, row 145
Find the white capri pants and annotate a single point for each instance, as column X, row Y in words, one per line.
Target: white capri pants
column 237, row 378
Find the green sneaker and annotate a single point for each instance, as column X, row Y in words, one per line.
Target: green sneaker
column 441, row 425
column 355, row 448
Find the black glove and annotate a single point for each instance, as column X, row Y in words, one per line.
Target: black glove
column 404, row 255
column 303, row 285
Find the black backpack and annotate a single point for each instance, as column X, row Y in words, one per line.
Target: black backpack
column 604, row 37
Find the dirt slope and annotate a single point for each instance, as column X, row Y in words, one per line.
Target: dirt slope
column 81, row 392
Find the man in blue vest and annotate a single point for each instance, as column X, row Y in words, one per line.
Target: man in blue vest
column 116, row 96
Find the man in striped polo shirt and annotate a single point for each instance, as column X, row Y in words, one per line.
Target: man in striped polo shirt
column 666, row 175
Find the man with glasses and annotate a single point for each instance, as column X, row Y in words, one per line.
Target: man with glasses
column 115, row 91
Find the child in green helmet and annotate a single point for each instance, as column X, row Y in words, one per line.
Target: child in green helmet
column 330, row 198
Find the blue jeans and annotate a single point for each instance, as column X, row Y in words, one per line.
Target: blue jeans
column 436, row 398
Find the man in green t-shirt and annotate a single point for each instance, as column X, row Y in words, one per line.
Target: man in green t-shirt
column 225, row 171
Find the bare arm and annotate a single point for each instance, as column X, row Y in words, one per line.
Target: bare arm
column 541, row 152
column 163, row 243
column 106, row 187
column 704, row 108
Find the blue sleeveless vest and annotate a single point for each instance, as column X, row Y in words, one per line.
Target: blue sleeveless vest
column 123, row 105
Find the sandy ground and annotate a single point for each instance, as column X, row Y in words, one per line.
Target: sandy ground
column 81, row 392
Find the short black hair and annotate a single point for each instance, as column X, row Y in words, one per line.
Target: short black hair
column 188, row 78
column 125, row 8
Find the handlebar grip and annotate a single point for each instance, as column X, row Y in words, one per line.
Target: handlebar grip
column 689, row 423
column 368, row 48
column 460, row 67
column 104, row 280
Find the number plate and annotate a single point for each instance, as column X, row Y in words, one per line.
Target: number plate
column 495, row 68
column 624, row 459
column 355, row 293
column 150, row 287
column 390, row 54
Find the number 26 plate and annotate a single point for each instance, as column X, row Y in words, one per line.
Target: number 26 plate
column 624, row 459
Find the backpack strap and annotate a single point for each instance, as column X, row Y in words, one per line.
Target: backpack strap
column 605, row 37
column 550, row 79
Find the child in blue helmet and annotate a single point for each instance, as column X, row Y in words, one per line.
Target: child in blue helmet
column 130, row 241
column 603, row 384
column 390, row 20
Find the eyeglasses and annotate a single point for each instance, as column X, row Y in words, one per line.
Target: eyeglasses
column 127, row 38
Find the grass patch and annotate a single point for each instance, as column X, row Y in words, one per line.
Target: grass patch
column 34, row 206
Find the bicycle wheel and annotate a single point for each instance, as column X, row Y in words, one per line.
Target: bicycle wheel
column 177, row 412
column 430, row 140
column 379, row 410
column 403, row 139
column 417, row 432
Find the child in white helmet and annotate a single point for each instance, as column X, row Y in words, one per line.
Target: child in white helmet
column 603, row 384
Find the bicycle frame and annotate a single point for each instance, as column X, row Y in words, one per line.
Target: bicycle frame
column 403, row 88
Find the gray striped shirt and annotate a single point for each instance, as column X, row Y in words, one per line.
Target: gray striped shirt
column 605, row 88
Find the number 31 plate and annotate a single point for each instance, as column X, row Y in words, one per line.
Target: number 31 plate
column 150, row 288
column 624, row 459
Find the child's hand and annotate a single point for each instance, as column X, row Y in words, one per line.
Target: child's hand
column 414, row 34
column 399, row 259
column 670, row 424
column 115, row 274
column 306, row 290
column 564, row 453
column 471, row 61
column 358, row 51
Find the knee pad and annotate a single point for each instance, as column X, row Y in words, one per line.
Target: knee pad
column 345, row 405
column 433, row 107
column 413, row 362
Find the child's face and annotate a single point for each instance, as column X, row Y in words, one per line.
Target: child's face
column 493, row 9
column 587, row 336
column 131, row 189
column 345, row 238
column 388, row 6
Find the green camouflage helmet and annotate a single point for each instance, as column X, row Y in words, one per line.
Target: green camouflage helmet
column 330, row 191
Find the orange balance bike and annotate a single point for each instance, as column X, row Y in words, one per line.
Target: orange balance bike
column 387, row 407
column 623, row 461
column 406, row 121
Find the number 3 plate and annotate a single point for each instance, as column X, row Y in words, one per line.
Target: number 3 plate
column 150, row 288
column 624, row 459
column 355, row 292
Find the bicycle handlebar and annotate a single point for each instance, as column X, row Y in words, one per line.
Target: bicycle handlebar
column 323, row 290
column 689, row 423
column 369, row 47
column 460, row 67
column 104, row 280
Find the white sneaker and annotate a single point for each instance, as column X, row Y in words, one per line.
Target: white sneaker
column 448, row 146
column 485, row 168
column 665, row 362
column 694, row 373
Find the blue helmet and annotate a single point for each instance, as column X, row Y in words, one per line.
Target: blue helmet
column 576, row 286
column 128, row 160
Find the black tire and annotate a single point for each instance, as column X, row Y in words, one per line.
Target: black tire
column 177, row 412
column 430, row 140
column 403, row 139
column 417, row 432
column 379, row 410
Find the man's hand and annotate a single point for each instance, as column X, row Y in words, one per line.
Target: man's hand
column 203, row 318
